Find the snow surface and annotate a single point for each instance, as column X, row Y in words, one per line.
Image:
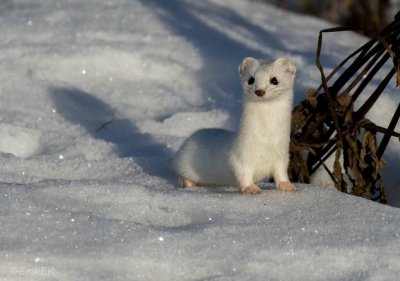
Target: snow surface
column 97, row 95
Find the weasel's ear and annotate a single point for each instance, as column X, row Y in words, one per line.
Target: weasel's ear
column 246, row 64
column 287, row 64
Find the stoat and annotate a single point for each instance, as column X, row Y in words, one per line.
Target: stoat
column 259, row 149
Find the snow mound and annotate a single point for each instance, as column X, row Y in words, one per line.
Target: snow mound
column 95, row 230
column 19, row 141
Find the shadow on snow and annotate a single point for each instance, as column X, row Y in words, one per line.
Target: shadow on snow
column 221, row 53
column 100, row 120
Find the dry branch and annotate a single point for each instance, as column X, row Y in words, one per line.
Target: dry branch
column 326, row 124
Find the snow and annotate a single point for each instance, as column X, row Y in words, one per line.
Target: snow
column 89, row 231
column 96, row 97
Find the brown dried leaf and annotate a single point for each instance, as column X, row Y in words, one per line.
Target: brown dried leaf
column 398, row 77
column 312, row 97
column 337, row 170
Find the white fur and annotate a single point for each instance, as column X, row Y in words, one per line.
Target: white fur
column 260, row 148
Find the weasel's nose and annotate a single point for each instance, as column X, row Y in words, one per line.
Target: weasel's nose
column 260, row 93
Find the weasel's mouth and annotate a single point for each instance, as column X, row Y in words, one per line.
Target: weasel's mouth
column 259, row 93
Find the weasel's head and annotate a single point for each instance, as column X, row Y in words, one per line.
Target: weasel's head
column 264, row 81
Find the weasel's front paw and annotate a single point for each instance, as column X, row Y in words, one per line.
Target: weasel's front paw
column 286, row 186
column 252, row 189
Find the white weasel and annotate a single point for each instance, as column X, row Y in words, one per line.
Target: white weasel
column 260, row 148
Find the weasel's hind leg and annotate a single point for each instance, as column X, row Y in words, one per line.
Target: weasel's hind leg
column 187, row 183
column 252, row 189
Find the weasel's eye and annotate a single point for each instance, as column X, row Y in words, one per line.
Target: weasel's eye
column 251, row 80
column 274, row 81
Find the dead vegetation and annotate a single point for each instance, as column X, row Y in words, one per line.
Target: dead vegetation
column 372, row 14
column 327, row 124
